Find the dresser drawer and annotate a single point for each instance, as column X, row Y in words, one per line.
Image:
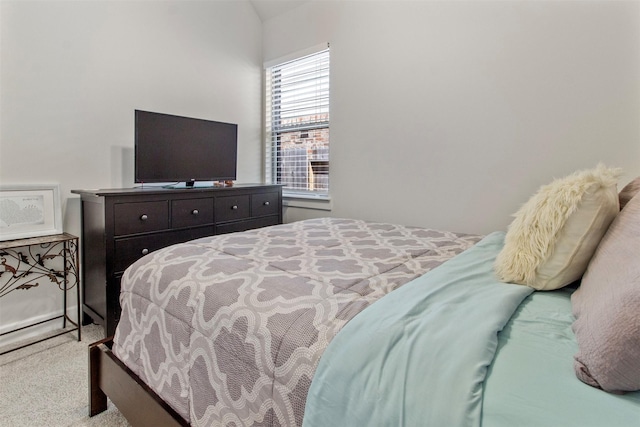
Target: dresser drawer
column 140, row 217
column 264, row 204
column 191, row 212
column 130, row 249
column 250, row 224
column 230, row 208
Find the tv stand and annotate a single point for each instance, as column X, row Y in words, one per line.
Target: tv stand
column 121, row 225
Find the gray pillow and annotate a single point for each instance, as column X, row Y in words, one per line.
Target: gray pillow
column 628, row 192
column 607, row 308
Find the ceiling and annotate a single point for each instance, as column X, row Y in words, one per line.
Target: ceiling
column 267, row 9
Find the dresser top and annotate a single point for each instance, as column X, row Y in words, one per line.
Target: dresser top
column 157, row 189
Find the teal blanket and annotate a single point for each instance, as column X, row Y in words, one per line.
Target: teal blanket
column 418, row 356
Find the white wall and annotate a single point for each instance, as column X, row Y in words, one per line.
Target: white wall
column 73, row 72
column 444, row 114
column 451, row 114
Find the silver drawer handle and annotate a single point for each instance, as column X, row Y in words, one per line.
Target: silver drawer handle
column 195, row 212
column 144, row 217
column 145, row 251
column 266, row 203
column 234, row 207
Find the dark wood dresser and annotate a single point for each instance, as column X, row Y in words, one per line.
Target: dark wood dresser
column 121, row 225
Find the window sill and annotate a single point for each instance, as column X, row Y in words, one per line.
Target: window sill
column 305, row 201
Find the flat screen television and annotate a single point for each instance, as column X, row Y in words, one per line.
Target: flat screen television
column 173, row 149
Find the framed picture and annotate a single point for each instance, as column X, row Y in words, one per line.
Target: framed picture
column 29, row 211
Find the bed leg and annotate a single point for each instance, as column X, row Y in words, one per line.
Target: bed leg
column 97, row 399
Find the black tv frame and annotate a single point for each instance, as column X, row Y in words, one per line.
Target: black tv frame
column 172, row 149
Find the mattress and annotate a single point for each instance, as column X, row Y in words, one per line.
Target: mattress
column 229, row 329
column 532, row 382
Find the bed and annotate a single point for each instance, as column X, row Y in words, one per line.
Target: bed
column 345, row 322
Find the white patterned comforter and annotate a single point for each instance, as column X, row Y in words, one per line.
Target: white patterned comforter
column 229, row 329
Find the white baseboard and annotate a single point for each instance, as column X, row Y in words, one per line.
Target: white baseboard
column 30, row 332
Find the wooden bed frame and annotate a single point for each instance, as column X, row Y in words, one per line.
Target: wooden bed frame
column 110, row 378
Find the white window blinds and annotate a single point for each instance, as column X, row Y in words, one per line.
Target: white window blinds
column 297, row 125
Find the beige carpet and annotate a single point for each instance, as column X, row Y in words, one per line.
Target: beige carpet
column 46, row 384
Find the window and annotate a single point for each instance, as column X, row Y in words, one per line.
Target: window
column 297, row 121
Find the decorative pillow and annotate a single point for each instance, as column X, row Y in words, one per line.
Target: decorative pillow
column 553, row 236
column 629, row 190
column 607, row 308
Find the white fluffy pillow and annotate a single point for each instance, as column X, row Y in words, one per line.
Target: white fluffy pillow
column 553, row 236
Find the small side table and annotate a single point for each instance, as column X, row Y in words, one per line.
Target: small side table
column 24, row 263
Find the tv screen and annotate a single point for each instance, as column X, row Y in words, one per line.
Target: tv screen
column 172, row 148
